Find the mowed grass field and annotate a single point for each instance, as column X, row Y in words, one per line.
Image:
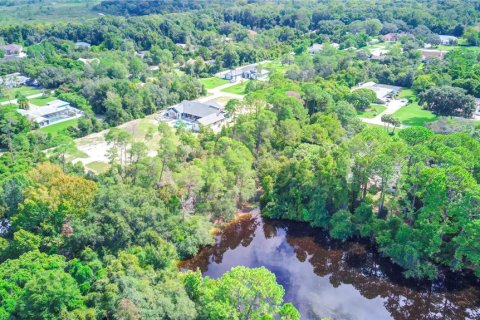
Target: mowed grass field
column 25, row 90
column 42, row 101
column 22, row 11
column 213, row 82
column 238, row 88
column 57, row 128
column 373, row 111
column 412, row 114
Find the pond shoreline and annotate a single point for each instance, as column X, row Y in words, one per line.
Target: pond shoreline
column 322, row 276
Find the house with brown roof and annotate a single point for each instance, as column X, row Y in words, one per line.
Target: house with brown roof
column 390, row 37
column 12, row 49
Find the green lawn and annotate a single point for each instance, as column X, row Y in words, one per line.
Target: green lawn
column 412, row 114
column 25, row 90
column 276, row 67
column 55, row 129
column 238, row 88
column 42, row 101
column 98, row 167
column 17, row 12
column 374, row 110
column 213, row 82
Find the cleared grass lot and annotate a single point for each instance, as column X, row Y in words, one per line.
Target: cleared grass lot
column 25, row 90
column 213, row 82
column 238, row 88
column 17, row 12
column 57, row 128
column 412, row 114
column 42, row 101
column 373, row 111
column 98, row 167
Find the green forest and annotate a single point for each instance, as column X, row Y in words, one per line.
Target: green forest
column 303, row 145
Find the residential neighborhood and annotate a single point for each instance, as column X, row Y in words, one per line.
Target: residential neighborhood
column 239, row 159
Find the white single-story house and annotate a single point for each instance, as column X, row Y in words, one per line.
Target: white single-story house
column 196, row 113
column 187, row 46
column 378, row 53
column 54, row 112
column 82, row 44
column 383, row 91
column 448, row 40
column 246, row 72
column 317, row 47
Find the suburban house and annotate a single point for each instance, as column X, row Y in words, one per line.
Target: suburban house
column 13, row 80
column 476, row 114
column 83, row 45
column 390, row 37
column 141, row 54
column 448, row 40
column 378, row 53
column 54, row 112
column 13, row 52
column 197, row 114
column 186, row 46
column 384, row 92
column 247, row 72
column 432, row 53
column 317, row 47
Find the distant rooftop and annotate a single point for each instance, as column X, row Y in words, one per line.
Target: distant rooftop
column 198, row 109
column 82, row 44
column 381, row 90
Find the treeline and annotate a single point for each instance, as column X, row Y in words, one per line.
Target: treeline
column 72, row 248
column 146, row 7
column 414, row 194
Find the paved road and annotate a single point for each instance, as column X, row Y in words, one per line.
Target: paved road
column 392, row 107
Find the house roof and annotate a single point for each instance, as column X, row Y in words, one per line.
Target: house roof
column 316, row 47
column 389, row 37
column 381, row 90
column 212, row 118
column 432, row 53
column 198, row 109
column 445, row 38
column 40, row 112
column 12, row 47
column 82, row 44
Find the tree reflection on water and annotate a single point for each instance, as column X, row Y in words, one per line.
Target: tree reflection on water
column 341, row 280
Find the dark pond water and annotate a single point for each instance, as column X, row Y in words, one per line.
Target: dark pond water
column 327, row 279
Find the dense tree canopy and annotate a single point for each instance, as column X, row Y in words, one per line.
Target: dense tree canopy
column 81, row 245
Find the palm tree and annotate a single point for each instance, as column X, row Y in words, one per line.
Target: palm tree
column 22, row 101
